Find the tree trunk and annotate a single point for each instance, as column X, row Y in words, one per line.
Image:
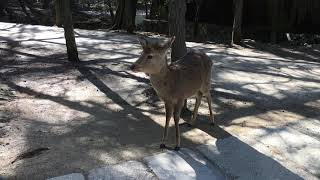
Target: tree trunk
column 237, row 22
column 125, row 15
column 63, row 7
column 177, row 10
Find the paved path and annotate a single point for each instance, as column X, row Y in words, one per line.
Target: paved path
column 209, row 162
column 183, row 165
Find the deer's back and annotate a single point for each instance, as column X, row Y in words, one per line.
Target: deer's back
column 187, row 76
column 193, row 61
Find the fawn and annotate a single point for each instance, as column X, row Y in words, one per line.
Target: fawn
column 190, row 75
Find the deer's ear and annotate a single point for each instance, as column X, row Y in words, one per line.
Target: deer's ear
column 143, row 41
column 168, row 44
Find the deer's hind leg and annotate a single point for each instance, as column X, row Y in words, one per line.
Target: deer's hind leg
column 196, row 107
column 209, row 100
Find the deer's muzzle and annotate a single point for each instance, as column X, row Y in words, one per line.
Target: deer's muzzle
column 133, row 68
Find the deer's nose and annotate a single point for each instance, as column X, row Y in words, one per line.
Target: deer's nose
column 132, row 67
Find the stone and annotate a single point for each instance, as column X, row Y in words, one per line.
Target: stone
column 73, row 176
column 131, row 170
column 182, row 165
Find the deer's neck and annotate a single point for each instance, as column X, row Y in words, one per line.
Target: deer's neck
column 162, row 73
column 158, row 79
column 162, row 82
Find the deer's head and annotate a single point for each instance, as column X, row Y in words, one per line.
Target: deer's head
column 153, row 56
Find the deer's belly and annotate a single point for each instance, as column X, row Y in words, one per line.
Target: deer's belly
column 172, row 91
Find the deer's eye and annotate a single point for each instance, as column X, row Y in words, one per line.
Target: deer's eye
column 149, row 56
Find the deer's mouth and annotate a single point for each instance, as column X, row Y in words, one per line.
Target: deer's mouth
column 135, row 68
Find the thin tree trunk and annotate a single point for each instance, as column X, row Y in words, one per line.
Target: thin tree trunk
column 237, row 22
column 66, row 17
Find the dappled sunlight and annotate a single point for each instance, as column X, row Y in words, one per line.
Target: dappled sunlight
column 293, row 146
column 114, row 107
column 24, row 32
column 239, row 157
column 133, row 152
column 313, row 104
column 197, row 136
column 46, row 110
column 292, row 139
column 274, row 119
column 103, row 156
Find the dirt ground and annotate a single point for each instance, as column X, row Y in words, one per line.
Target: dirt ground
column 76, row 117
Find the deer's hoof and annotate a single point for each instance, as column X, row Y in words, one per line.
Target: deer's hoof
column 213, row 124
column 177, row 148
column 162, row 146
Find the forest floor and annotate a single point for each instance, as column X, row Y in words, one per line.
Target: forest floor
column 76, row 117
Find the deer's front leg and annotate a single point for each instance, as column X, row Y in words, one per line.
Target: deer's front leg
column 169, row 110
column 176, row 116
